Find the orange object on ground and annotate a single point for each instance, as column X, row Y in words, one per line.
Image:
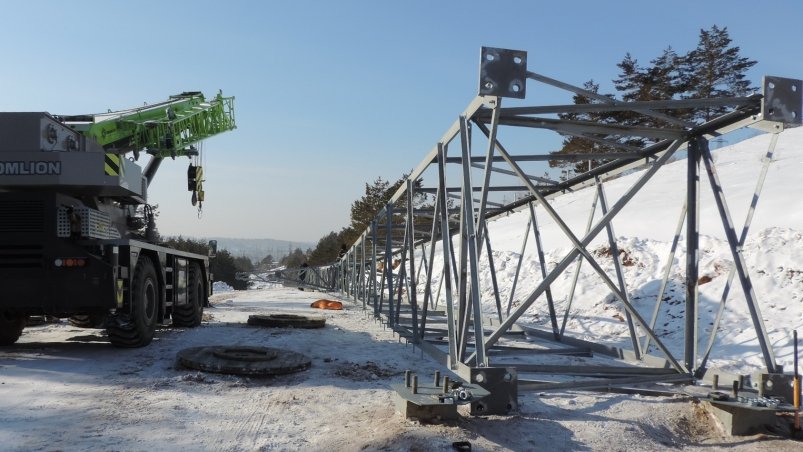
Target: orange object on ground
column 328, row 304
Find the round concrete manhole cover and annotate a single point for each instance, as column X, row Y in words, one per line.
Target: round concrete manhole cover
column 286, row 321
column 239, row 360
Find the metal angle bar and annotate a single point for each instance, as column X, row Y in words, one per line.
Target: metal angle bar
column 518, row 265
column 636, row 153
column 363, row 276
column 628, row 150
column 511, row 173
column 430, row 268
column 601, row 98
column 636, row 106
column 491, row 203
column 524, row 386
column 378, row 306
column 665, row 278
column 492, row 269
column 486, row 179
column 423, row 265
column 438, row 294
column 446, row 246
column 561, row 125
column 373, row 264
column 586, row 370
column 389, row 262
column 402, row 275
column 495, row 188
column 620, row 276
column 412, row 291
column 542, row 262
column 579, row 265
column 742, row 239
column 692, row 253
column 470, row 240
column 738, row 260
column 462, row 273
column 598, row 348
column 507, row 323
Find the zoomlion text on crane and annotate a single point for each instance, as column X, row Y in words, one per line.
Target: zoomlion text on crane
column 30, row 168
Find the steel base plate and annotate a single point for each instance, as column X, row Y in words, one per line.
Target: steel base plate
column 240, row 360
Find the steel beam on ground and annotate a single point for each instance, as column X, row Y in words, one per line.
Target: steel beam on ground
column 601, row 383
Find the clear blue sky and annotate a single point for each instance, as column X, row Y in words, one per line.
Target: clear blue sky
column 333, row 94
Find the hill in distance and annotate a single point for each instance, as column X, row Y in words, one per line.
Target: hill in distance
column 257, row 249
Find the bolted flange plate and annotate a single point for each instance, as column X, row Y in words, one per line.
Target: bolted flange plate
column 239, row 360
column 783, row 100
column 503, row 73
column 286, row 321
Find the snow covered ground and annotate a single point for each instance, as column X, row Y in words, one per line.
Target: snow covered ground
column 64, row 388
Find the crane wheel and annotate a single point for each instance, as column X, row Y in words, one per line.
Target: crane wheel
column 137, row 328
column 11, row 327
column 190, row 314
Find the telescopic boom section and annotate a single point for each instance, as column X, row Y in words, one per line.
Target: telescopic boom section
column 165, row 129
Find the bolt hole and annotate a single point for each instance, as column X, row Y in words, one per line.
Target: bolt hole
column 480, row 407
column 771, row 85
column 515, row 88
column 489, row 57
column 771, row 112
column 517, row 60
column 794, row 88
column 489, row 85
column 479, row 378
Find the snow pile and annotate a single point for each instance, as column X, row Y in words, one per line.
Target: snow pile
column 220, row 287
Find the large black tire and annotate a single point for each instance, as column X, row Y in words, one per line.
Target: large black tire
column 11, row 327
column 191, row 314
column 286, row 321
column 87, row 320
column 137, row 328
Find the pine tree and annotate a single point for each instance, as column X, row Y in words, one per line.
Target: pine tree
column 715, row 69
column 327, row 249
column 663, row 80
column 582, row 145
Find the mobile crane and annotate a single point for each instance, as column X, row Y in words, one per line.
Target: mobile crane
column 78, row 238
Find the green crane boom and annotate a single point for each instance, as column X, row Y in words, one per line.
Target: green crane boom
column 165, row 129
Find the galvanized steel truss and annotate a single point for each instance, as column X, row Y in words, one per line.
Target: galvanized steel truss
column 453, row 229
